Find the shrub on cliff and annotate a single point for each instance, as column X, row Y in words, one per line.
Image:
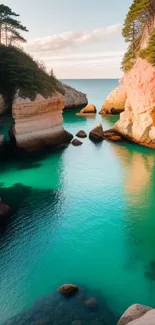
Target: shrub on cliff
column 19, row 71
column 140, row 12
column 149, row 52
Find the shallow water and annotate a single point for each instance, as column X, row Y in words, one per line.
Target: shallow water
column 84, row 215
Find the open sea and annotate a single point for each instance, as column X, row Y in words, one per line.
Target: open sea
column 83, row 215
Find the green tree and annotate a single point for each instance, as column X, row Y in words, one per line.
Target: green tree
column 140, row 12
column 10, row 27
column 19, row 72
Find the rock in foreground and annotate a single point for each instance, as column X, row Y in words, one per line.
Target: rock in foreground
column 81, row 134
column 76, row 142
column 115, row 101
column 69, row 290
column 97, row 134
column 38, row 123
column 138, row 315
column 74, row 98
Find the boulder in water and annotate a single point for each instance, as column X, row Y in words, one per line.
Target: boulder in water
column 90, row 108
column 81, row 134
column 69, row 290
column 76, row 142
column 97, row 134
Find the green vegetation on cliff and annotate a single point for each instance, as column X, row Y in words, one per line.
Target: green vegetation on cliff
column 140, row 12
column 18, row 70
column 149, row 52
column 10, row 27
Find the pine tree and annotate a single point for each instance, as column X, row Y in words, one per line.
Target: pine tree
column 139, row 13
column 9, row 26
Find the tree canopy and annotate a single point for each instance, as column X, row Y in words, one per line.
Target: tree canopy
column 10, row 27
column 140, row 12
column 18, row 71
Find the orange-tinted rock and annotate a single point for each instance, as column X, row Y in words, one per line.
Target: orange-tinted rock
column 89, row 109
column 69, row 290
column 137, row 122
column 115, row 101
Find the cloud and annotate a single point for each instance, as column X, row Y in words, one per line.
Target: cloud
column 71, row 40
column 81, row 54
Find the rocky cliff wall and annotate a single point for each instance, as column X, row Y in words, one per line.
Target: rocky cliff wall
column 74, row 98
column 38, row 123
column 137, row 122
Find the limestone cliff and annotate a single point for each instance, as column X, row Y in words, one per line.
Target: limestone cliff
column 38, row 123
column 137, row 122
column 74, row 98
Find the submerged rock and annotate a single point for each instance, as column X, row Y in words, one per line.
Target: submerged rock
column 81, row 134
column 97, row 134
column 91, row 303
column 138, row 315
column 74, row 98
column 69, row 290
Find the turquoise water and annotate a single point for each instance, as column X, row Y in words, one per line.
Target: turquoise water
column 84, row 215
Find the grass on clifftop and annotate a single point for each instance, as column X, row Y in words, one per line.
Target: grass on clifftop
column 19, row 71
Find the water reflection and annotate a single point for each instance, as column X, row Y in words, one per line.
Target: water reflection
column 138, row 166
column 139, row 218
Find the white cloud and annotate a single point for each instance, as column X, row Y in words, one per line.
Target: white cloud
column 56, row 43
column 81, row 54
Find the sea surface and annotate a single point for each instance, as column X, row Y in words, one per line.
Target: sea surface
column 83, row 215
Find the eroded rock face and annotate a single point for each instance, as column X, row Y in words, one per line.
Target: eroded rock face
column 138, row 315
column 38, row 123
column 74, row 98
column 115, row 101
column 137, row 122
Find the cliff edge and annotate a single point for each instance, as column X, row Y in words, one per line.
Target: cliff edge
column 137, row 87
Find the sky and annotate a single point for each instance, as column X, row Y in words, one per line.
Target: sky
column 78, row 39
